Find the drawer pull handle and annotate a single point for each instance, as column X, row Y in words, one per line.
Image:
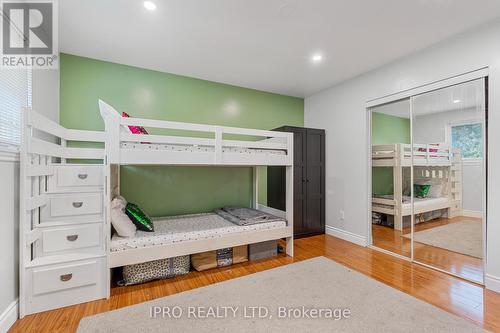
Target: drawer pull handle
column 78, row 204
column 66, row 277
column 72, row 238
column 82, row 175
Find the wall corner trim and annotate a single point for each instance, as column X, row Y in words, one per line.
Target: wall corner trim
column 9, row 316
column 346, row 235
column 492, row 283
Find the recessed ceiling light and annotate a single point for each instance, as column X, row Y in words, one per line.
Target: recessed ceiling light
column 149, row 5
column 315, row 58
column 456, row 101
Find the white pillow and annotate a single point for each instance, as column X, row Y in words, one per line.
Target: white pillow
column 435, row 191
column 121, row 222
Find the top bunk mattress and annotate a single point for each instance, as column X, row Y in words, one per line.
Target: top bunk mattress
column 182, row 228
column 197, row 148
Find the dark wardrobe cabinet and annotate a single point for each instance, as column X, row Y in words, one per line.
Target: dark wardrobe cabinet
column 309, row 181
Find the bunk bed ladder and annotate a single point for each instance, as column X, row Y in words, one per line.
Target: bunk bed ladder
column 59, row 261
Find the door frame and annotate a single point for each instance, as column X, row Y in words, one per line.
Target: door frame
column 480, row 73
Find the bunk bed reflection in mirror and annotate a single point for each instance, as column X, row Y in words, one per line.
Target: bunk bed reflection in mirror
column 433, row 164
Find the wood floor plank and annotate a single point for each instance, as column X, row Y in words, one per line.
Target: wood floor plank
column 452, row 294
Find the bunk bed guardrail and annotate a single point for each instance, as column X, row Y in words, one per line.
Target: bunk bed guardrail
column 422, row 154
column 217, row 148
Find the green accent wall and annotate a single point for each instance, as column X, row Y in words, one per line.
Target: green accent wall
column 170, row 190
column 387, row 129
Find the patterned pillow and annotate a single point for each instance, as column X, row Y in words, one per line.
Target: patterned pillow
column 156, row 269
column 421, row 190
column 141, row 220
column 135, row 129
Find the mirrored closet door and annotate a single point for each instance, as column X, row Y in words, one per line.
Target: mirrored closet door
column 391, row 162
column 428, row 168
column 448, row 127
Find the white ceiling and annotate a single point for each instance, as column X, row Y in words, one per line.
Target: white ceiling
column 264, row 44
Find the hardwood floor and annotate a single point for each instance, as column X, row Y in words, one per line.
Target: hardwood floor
column 452, row 294
column 462, row 265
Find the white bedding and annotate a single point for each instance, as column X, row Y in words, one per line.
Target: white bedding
column 425, row 201
column 185, row 228
column 196, row 148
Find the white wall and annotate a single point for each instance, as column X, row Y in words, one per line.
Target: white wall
column 432, row 128
column 341, row 111
column 9, row 208
column 46, row 93
column 46, row 101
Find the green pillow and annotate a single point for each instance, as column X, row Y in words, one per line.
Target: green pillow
column 139, row 218
column 421, row 190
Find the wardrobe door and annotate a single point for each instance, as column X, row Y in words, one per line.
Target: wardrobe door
column 299, row 182
column 315, row 179
column 276, row 181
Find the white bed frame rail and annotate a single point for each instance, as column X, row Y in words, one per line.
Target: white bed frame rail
column 400, row 154
column 116, row 154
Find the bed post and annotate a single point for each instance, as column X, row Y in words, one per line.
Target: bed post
column 398, row 187
column 111, row 161
column 289, row 195
column 255, row 189
column 111, row 119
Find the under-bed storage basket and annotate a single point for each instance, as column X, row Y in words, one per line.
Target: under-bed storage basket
column 154, row 270
column 219, row 258
column 263, row 250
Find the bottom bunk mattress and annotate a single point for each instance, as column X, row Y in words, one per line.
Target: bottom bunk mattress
column 182, row 228
column 420, row 204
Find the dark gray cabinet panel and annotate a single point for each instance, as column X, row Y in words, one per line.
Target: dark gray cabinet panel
column 309, row 181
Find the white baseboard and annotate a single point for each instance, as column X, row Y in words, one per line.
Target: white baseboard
column 472, row 213
column 345, row 235
column 492, row 282
column 9, row 316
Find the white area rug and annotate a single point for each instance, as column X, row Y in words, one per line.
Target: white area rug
column 317, row 283
column 464, row 237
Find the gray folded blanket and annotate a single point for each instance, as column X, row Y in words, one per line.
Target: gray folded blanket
column 245, row 216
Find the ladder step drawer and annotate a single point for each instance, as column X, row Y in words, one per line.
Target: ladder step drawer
column 46, row 280
column 75, row 177
column 70, row 238
column 53, row 286
column 75, row 204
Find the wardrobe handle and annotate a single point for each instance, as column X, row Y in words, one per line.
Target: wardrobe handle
column 72, row 238
column 82, row 175
column 78, row 204
column 66, row 277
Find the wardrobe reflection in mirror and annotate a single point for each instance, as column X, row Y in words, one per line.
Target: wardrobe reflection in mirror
column 391, row 183
column 449, row 178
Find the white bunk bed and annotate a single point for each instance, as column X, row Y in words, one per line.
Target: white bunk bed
column 66, row 254
column 435, row 163
column 122, row 148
